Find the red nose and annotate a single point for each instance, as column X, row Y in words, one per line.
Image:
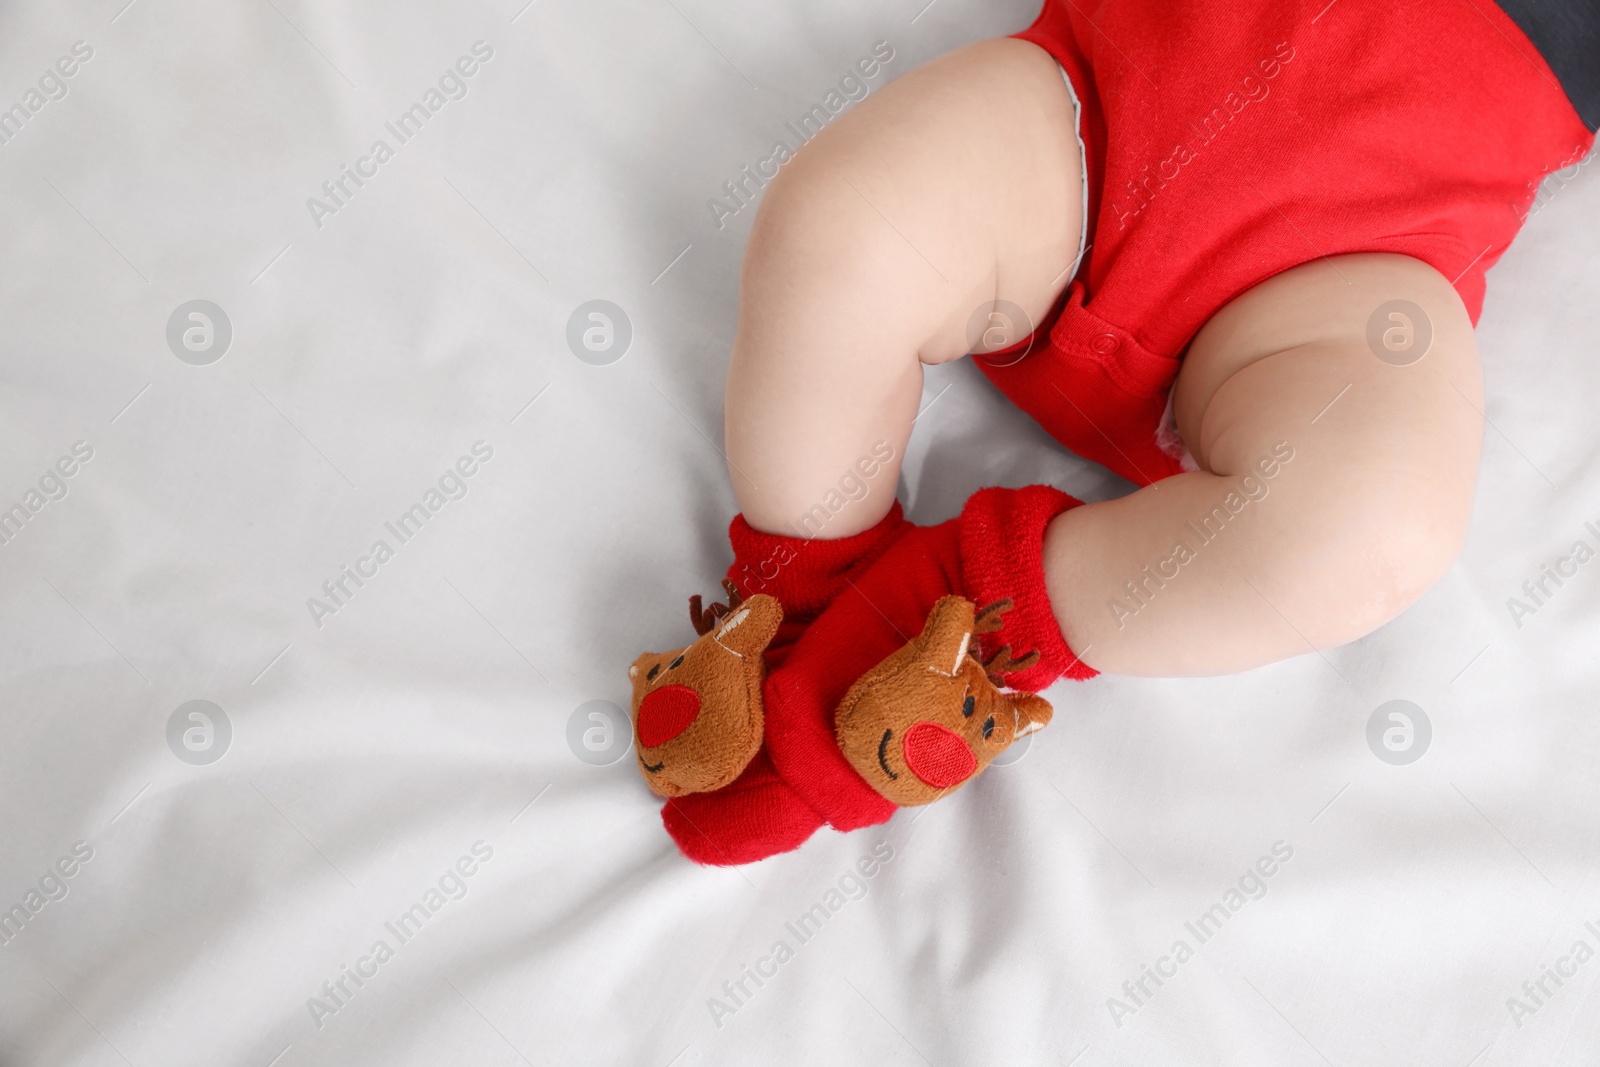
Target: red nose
column 666, row 713
column 938, row 756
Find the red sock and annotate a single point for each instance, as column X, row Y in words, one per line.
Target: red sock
column 758, row 813
column 804, row 575
column 992, row 551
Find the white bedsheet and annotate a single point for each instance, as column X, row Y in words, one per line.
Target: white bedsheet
column 423, row 723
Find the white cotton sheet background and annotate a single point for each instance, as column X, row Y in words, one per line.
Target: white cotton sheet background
column 371, row 753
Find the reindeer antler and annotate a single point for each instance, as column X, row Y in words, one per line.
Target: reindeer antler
column 1002, row 663
column 706, row 621
column 987, row 619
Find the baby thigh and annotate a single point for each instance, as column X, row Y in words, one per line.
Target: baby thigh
column 955, row 186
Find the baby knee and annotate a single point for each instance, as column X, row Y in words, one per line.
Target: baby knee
column 1420, row 535
column 1387, row 538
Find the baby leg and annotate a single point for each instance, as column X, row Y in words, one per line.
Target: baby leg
column 954, row 186
column 1372, row 467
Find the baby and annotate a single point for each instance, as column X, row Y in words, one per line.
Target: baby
column 1233, row 252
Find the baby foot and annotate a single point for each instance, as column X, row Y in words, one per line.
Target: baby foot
column 931, row 716
column 697, row 711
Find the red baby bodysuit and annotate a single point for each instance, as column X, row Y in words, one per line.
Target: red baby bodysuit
column 1226, row 142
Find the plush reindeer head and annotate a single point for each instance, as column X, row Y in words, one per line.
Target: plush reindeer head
column 932, row 716
column 697, row 717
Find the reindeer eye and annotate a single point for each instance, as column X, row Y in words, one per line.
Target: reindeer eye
column 967, row 707
column 653, row 672
column 675, row 663
column 988, row 727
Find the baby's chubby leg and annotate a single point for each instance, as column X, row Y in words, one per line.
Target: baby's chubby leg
column 954, row 186
column 1335, row 485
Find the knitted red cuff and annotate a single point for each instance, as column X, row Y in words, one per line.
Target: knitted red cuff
column 806, row 575
column 1002, row 555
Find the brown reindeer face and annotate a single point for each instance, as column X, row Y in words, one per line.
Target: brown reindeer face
column 928, row 719
column 697, row 718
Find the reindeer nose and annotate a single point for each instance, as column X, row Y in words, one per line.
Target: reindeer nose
column 938, row 756
column 666, row 713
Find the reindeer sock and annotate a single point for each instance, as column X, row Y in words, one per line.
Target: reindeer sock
column 992, row 551
column 758, row 814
